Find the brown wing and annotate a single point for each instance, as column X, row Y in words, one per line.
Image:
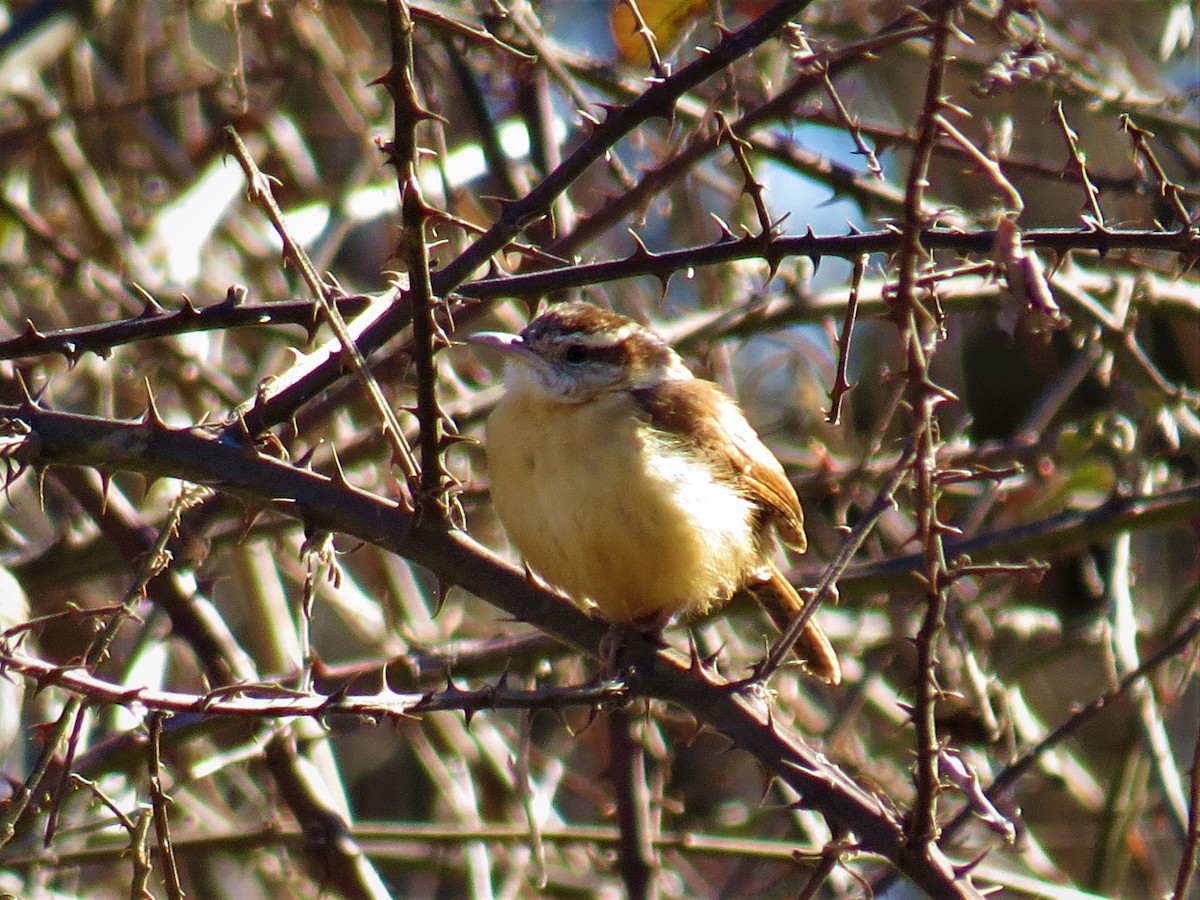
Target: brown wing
column 714, row 422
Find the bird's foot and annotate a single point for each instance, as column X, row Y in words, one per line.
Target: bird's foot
column 648, row 628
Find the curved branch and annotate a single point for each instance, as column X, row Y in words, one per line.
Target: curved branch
column 39, row 437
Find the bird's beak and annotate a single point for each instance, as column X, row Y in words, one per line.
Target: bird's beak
column 512, row 346
column 498, row 340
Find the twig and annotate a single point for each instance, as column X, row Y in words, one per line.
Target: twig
column 647, row 35
column 139, row 844
column 259, row 189
column 1041, row 413
column 123, row 820
column 750, row 186
column 151, row 564
column 259, row 701
column 426, row 834
column 494, row 157
column 827, row 587
column 157, row 322
column 1017, row 769
column 468, row 31
column 1191, row 845
column 1015, row 202
column 847, row 246
column 658, row 100
column 1068, row 529
column 919, row 327
column 548, row 54
column 905, row 27
column 627, row 771
column 1166, row 187
column 1078, row 162
column 805, row 55
column 1157, row 744
column 431, row 501
column 159, row 799
column 523, row 786
column 841, row 386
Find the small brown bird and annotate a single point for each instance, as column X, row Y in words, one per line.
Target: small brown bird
column 633, row 485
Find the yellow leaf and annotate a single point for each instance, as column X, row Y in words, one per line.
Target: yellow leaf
column 666, row 18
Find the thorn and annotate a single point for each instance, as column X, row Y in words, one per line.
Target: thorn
column 726, row 235
column 449, row 440
column 151, row 416
column 695, row 666
column 31, row 332
column 339, row 476
column 757, row 669
column 970, row 865
column 243, row 437
column 11, row 474
column 642, row 252
column 468, row 715
column 1054, row 262
column 664, row 278
column 148, row 482
column 773, row 261
column 28, row 401
column 710, row 661
column 188, row 308
column 563, row 721
column 312, row 327
column 251, row 516
column 945, row 394
column 152, row 309
column 428, row 115
column 305, row 461
column 39, row 474
column 234, row 296
column 105, row 482
column 669, row 115
column 442, row 590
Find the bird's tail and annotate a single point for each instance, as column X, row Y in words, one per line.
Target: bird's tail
column 782, row 603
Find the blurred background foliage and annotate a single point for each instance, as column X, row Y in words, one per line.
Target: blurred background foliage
column 118, row 191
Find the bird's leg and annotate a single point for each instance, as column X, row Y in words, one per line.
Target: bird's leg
column 649, row 628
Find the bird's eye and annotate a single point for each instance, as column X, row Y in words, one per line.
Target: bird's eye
column 576, row 353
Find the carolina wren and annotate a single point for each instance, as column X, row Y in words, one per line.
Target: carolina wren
column 632, row 485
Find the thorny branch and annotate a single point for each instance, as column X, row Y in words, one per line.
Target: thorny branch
column 920, row 323
column 1104, row 445
column 409, row 113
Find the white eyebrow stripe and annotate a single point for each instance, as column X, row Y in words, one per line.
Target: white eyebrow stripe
column 603, row 338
